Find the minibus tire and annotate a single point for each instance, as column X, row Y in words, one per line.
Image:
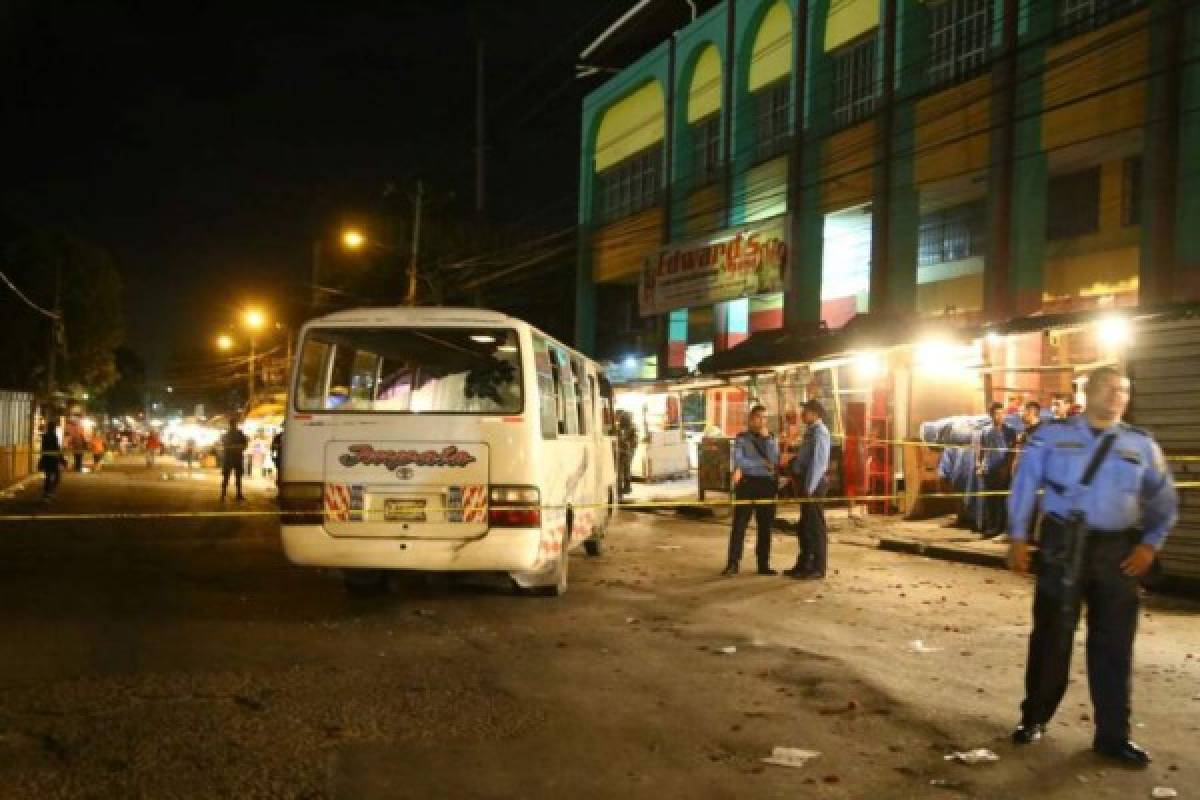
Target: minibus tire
column 364, row 582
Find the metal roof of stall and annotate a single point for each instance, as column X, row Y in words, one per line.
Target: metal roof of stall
column 767, row 350
column 797, row 345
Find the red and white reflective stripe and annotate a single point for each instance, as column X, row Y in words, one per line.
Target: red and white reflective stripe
column 474, row 504
column 337, row 502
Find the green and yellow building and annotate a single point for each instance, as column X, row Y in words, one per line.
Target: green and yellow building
column 798, row 162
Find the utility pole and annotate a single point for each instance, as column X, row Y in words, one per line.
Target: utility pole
column 55, row 328
column 250, row 376
column 410, row 297
column 316, row 275
column 480, row 174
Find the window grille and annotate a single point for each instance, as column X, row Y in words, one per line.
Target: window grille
column 959, row 33
column 772, row 128
column 855, row 86
column 631, row 185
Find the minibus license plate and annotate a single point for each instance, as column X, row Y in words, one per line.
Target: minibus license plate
column 404, row 509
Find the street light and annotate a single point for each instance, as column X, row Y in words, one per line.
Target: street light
column 254, row 318
column 224, row 342
column 353, row 239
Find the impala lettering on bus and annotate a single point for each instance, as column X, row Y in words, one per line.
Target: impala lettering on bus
column 366, row 455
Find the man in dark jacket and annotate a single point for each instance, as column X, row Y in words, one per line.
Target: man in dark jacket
column 233, row 450
column 52, row 460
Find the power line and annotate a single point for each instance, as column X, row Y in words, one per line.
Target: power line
column 44, row 312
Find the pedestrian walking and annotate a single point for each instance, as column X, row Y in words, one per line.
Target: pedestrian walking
column 277, row 454
column 995, row 470
column 755, row 465
column 52, row 460
column 98, row 445
column 233, row 451
column 627, row 442
column 153, row 445
column 808, row 469
column 1106, row 488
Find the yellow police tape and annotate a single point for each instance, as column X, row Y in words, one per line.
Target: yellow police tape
column 357, row 515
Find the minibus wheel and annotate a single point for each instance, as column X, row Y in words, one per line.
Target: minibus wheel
column 364, row 581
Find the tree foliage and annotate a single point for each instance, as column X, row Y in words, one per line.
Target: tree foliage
column 34, row 259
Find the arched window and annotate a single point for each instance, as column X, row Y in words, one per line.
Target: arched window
column 704, row 115
column 629, row 153
column 769, row 81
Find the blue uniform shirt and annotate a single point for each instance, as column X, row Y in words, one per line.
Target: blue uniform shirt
column 995, row 444
column 812, row 459
column 1131, row 489
column 749, row 460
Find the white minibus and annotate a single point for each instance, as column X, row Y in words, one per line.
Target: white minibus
column 443, row 439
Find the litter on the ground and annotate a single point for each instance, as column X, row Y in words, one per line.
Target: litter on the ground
column 793, row 757
column 727, row 651
column 1162, row 792
column 631, row 620
column 943, row 783
column 919, row 646
column 980, row 755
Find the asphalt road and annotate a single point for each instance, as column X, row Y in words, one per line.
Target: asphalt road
column 187, row 658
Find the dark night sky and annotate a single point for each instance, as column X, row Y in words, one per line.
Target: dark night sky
column 207, row 144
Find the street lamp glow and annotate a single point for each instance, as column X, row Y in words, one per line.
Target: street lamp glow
column 224, row 342
column 255, row 319
column 1113, row 331
column 353, row 239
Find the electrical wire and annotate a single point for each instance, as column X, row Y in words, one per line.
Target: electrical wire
column 44, row 312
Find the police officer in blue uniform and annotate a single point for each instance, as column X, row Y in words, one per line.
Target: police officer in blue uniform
column 808, row 469
column 755, row 458
column 1129, row 505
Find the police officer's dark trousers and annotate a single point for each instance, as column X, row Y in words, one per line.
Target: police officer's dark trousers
column 1112, row 602
column 813, row 533
column 753, row 488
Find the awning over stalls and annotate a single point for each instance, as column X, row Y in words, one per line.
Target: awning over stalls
column 796, row 345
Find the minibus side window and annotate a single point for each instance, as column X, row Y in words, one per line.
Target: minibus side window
column 547, row 388
column 564, row 379
column 606, row 404
column 583, row 398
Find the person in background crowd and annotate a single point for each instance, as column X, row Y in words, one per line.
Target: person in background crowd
column 995, row 464
column 1115, row 476
column 755, row 464
column 99, row 445
column 233, row 452
column 153, row 445
column 189, row 452
column 52, row 460
column 75, row 442
column 627, row 442
column 1059, row 406
column 277, row 453
column 808, row 471
column 1032, row 417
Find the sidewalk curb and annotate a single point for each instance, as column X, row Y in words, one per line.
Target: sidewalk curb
column 942, row 552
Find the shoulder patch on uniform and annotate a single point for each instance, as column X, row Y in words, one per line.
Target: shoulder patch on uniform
column 1135, row 429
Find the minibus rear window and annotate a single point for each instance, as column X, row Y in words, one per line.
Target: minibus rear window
column 410, row 370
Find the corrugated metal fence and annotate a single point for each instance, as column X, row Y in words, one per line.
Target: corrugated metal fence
column 16, row 436
column 1164, row 364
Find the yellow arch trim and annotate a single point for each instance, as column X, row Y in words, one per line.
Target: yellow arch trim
column 771, row 56
column 704, row 96
column 849, row 19
column 631, row 125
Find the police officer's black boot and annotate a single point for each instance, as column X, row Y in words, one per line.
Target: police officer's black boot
column 730, row 569
column 1028, row 732
column 1127, row 752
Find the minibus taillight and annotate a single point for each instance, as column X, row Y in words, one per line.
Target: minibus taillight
column 302, row 503
column 514, row 507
